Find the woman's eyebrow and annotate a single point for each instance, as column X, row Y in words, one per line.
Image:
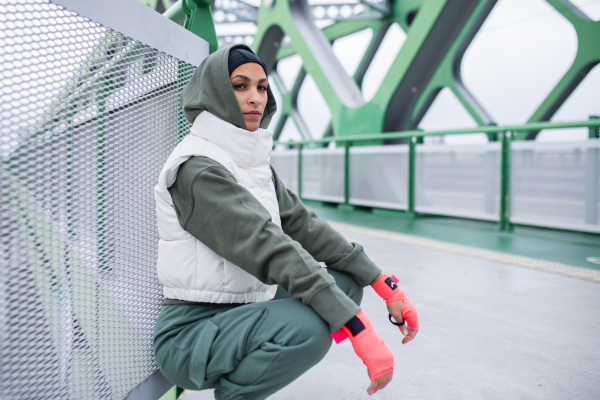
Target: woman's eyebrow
column 244, row 77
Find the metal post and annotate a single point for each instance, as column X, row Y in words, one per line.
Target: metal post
column 176, row 13
column 594, row 131
column 591, row 177
column 300, row 170
column 199, row 20
column 505, row 183
column 411, row 174
column 347, row 145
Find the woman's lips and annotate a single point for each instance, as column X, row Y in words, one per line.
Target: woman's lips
column 253, row 114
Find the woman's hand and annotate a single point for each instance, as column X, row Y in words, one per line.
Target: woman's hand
column 399, row 307
column 395, row 309
column 379, row 383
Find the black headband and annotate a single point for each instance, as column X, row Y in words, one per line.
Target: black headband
column 238, row 57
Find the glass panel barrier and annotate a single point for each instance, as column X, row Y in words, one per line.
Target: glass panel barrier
column 556, row 184
column 462, row 181
column 285, row 163
column 379, row 176
column 323, row 174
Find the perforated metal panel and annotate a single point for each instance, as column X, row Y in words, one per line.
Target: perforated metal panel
column 87, row 118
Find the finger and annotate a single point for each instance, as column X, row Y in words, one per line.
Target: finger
column 372, row 387
column 379, row 383
column 403, row 329
column 411, row 335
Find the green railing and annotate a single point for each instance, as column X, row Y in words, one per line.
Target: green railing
column 504, row 135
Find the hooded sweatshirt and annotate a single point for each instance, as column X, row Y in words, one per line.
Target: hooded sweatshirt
column 219, row 208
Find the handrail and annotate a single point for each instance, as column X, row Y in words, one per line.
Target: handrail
column 537, row 126
column 505, row 134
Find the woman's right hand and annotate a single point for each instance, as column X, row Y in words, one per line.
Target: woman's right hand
column 380, row 383
column 372, row 351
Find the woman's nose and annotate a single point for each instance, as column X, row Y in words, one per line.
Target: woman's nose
column 254, row 97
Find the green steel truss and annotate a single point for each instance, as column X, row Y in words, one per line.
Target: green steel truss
column 438, row 32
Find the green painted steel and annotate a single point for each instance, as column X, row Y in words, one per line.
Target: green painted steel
column 448, row 73
column 193, row 15
column 506, row 132
column 198, row 20
column 421, row 20
column 412, row 151
column 176, row 13
column 347, row 172
column 355, row 117
column 300, row 170
column 172, row 394
column 592, row 123
column 586, row 58
column 505, row 224
column 286, row 28
column 350, row 113
column 594, row 132
column 571, row 248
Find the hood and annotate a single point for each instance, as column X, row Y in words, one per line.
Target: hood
column 210, row 90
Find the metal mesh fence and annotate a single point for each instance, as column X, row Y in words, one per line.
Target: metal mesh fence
column 87, row 118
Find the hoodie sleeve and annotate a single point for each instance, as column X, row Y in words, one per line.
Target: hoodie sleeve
column 227, row 218
column 324, row 243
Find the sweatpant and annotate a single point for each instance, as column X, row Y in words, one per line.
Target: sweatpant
column 243, row 352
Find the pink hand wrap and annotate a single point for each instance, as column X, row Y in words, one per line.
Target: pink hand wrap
column 367, row 345
column 388, row 290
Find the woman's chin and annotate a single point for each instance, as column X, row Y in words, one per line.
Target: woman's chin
column 252, row 126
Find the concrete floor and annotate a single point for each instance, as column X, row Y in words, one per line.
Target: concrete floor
column 487, row 331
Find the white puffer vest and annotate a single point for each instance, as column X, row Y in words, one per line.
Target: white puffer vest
column 187, row 269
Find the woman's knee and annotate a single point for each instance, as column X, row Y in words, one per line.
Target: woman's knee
column 308, row 331
column 348, row 285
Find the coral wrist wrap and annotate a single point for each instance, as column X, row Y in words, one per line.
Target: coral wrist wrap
column 368, row 346
column 388, row 290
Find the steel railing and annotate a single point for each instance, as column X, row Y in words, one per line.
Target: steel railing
column 504, row 136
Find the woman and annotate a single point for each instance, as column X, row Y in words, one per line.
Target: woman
column 237, row 252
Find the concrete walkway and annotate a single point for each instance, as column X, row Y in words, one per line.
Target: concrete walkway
column 488, row 330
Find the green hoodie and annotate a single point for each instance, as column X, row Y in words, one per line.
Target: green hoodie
column 210, row 90
column 207, row 197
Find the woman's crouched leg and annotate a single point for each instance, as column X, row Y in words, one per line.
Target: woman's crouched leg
column 263, row 347
column 246, row 352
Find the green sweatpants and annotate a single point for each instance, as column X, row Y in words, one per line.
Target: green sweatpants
column 244, row 352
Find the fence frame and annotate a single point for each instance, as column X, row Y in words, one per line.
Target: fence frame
column 504, row 134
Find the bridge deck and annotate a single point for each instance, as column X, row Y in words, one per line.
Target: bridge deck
column 489, row 330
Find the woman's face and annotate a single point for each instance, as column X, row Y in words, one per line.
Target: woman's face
column 249, row 83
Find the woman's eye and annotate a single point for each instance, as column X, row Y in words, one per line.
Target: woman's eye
column 262, row 87
column 239, row 85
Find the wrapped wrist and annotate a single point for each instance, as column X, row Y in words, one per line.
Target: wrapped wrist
column 387, row 288
column 369, row 346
